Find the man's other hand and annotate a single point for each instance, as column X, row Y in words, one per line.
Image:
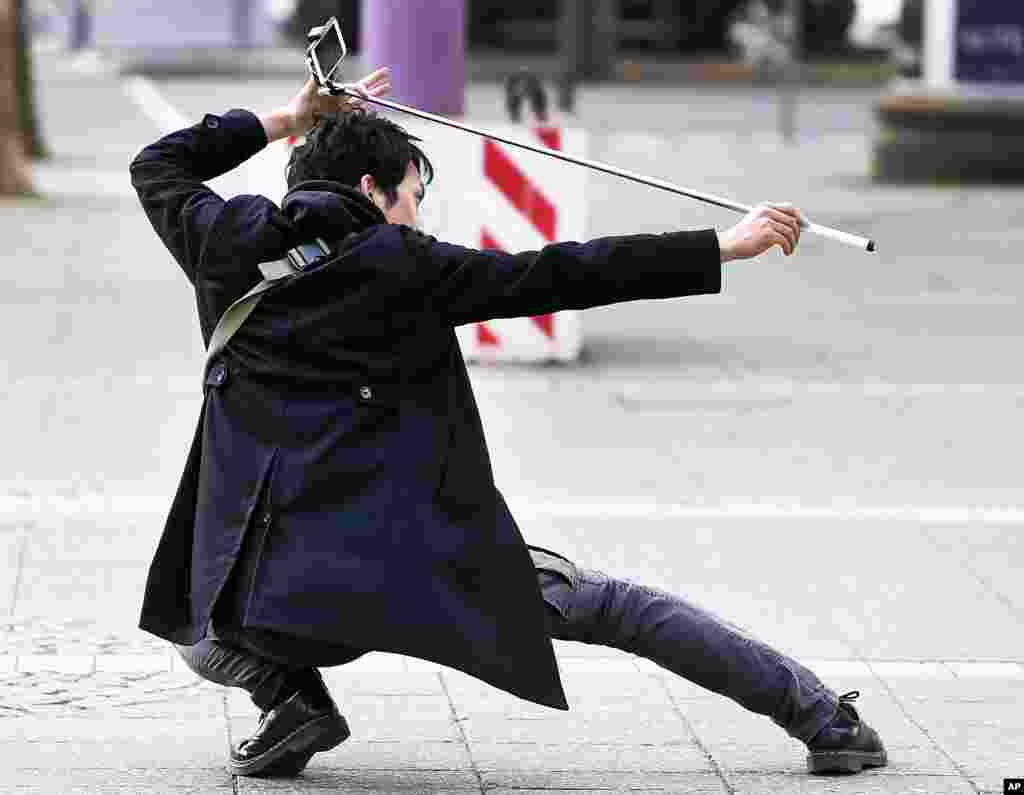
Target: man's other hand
column 767, row 225
column 301, row 113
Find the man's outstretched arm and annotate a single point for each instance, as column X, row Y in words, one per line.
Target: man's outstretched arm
column 475, row 285
column 467, row 285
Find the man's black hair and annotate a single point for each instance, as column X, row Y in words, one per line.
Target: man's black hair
column 345, row 146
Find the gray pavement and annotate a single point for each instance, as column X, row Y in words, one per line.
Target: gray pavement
column 824, row 454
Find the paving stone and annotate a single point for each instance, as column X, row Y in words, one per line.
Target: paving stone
column 827, row 670
column 12, row 535
column 989, row 756
column 101, row 539
column 177, row 780
column 119, row 743
column 981, row 702
column 345, row 682
column 606, row 708
column 82, row 591
column 649, row 667
column 864, row 783
column 319, row 777
column 570, row 649
column 54, row 693
column 597, row 665
column 747, row 742
column 56, row 663
column 134, row 663
column 605, row 721
column 912, row 670
column 424, row 666
column 993, row 554
column 582, row 690
column 898, row 620
column 401, row 718
column 740, row 758
column 573, row 791
column 358, row 756
column 682, row 689
column 977, row 722
column 375, row 663
column 544, row 791
column 586, row 781
column 81, row 636
column 586, row 756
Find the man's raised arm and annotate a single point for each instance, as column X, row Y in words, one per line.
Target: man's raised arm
column 168, row 175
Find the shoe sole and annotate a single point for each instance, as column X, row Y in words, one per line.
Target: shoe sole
column 321, row 734
column 291, row 763
column 845, row 761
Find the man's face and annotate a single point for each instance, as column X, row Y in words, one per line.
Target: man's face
column 410, row 193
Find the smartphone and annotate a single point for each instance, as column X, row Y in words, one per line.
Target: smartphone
column 326, row 51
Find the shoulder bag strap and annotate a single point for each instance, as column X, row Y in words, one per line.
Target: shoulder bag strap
column 273, row 273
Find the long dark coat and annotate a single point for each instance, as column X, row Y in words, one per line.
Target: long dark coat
column 344, row 406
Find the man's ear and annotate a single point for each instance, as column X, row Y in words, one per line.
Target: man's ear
column 367, row 184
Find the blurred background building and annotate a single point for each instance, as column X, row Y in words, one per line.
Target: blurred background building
column 785, row 42
column 595, row 34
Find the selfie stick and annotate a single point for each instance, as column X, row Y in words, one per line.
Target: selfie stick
column 330, row 88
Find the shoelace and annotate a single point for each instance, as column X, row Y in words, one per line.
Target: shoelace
column 845, row 702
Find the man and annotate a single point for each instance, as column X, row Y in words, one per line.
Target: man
column 338, row 496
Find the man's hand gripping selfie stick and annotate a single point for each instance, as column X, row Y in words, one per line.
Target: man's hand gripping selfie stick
column 318, row 37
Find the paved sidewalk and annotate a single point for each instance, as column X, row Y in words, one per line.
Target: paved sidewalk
column 92, row 705
column 825, row 454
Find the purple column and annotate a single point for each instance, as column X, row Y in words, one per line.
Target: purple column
column 424, row 43
column 80, row 28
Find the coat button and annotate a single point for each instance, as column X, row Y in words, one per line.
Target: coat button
column 265, row 520
column 212, row 122
column 365, row 392
column 219, row 374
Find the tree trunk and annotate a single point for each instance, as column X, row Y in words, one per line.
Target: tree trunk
column 14, row 174
column 23, row 70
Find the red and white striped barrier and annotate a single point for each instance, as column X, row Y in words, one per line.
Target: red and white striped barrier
column 529, row 201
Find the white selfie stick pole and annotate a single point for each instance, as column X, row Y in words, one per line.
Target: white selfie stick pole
column 838, row 235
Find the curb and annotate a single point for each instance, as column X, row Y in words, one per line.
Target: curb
column 960, row 138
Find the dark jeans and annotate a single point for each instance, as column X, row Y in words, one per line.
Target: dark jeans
column 589, row 607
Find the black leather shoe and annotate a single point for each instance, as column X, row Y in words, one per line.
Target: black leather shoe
column 303, row 724
column 847, row 744
column 288, row 765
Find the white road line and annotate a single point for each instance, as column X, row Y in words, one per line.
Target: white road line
column 153, row 104
column 40, row 506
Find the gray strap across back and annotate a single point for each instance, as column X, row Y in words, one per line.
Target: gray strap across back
column 273, row 272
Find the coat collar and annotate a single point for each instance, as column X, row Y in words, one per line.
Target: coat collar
column 329, row 210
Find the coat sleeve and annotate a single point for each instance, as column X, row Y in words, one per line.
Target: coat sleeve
column 188, row 216
column 468, row 285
